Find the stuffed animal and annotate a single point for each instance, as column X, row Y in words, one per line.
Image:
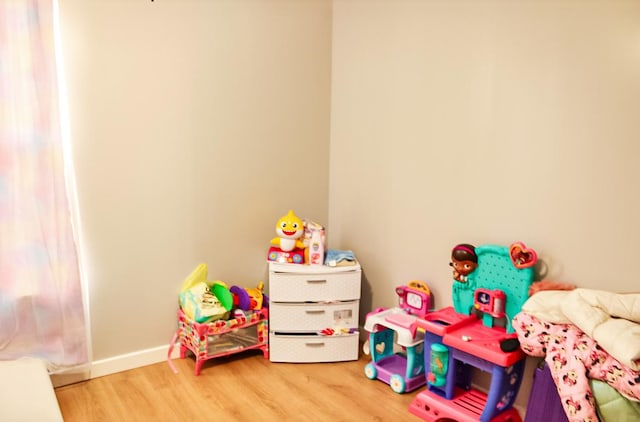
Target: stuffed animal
column 249, row 298
column 203, row 300
column 289, row 230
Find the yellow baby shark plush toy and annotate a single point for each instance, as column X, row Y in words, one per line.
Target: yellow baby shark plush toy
column 289, row 230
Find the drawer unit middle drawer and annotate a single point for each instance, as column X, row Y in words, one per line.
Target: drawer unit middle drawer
column 307, row 317
column 318, row 287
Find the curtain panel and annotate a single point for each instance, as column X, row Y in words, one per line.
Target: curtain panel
column 41, row 297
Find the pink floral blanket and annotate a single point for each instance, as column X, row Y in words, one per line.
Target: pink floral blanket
column 574, row 357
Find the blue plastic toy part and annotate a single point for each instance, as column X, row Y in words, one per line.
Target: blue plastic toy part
column 495, row 271
column 439, row 365
column 415, row 361
column 381, row 344
column 370, row 371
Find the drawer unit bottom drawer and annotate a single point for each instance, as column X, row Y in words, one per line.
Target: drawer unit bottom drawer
column 313, row 348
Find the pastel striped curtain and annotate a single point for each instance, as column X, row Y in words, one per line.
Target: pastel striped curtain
column 41, row 296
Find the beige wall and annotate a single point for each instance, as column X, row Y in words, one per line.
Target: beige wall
column 486, row 122
column 195, row 126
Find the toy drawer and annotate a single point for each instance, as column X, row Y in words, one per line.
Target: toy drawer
column 314, row 287
column 304, row 349
column 313, row 317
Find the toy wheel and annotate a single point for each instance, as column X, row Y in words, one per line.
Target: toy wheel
column 397, row 383
column 370, row 371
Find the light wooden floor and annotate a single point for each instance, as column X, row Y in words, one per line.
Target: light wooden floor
column 243, row 387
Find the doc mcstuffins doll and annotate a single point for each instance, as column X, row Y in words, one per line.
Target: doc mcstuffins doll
column 464, row 261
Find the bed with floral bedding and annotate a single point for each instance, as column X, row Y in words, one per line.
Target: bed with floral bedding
column 584, row 336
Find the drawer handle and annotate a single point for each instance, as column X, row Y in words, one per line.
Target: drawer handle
column 315, row 311
column 316, row 281
column 315, row 343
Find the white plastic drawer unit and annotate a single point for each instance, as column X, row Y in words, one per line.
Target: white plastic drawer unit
column 313, row 317
column 288, row 283
column 313, row 313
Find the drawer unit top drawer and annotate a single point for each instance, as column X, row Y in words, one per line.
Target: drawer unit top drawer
column 309, row 317
column 277, row 267
column 313, row 285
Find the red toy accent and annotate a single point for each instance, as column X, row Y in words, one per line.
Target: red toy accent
column 490, row 302
column 295, row 256
column 521, row 256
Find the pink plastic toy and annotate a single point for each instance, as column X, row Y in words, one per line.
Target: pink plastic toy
column 222, row 337
column 398, row 327
column 414, row 298
column 476, row 333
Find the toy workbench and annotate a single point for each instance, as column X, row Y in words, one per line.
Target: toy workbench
column 490, row 285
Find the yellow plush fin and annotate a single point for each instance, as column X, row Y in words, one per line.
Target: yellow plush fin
column 198, row 275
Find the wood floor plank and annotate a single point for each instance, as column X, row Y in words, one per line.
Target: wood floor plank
column 242, row 387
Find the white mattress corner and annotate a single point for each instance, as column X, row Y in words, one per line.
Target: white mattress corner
column 26, row 392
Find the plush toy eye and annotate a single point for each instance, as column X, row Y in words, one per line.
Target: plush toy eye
column 283, row 224
column 295, row 226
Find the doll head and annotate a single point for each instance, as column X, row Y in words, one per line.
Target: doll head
column 463, row 260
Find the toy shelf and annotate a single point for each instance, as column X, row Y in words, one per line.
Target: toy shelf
column 223, row 337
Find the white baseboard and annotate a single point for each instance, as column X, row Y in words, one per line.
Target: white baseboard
column 112, row 365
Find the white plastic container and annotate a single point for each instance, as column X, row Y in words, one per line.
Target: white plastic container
column 316, row 249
